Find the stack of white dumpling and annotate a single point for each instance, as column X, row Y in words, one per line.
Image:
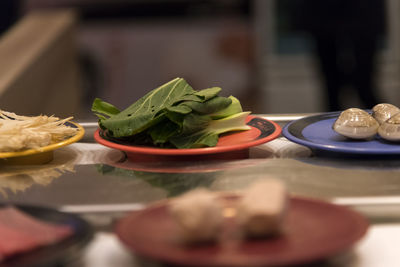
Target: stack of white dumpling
column 359, row 124
column 259, row 212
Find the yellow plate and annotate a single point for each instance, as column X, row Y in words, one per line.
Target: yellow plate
column 42, row 154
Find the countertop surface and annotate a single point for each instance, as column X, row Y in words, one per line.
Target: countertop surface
column 102, row 185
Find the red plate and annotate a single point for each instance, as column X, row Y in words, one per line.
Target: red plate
column 183, row 167
column 230, row 146
column 313, row 230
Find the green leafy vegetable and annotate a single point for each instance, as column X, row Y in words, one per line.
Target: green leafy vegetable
column 174, row 114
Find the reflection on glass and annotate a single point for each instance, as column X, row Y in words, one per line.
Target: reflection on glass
column 173, row 183
column 16, row 179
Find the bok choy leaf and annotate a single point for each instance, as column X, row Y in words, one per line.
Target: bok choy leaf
column 174, row 115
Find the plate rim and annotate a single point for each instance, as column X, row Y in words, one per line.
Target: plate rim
column 358, row 218
column 326, row 147
column 190, row 151
column 78, row 136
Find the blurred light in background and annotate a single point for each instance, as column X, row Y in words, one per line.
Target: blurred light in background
column 249, row 48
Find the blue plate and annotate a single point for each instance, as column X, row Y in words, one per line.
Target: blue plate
column 316, row 133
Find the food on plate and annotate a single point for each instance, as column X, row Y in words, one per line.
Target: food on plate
column 262, row 208
column 257, row 211
column 356, row 123
column 18, row 133
column 173, row 115
column 198, row 216
column 384, row 120
column 383, row 111
column 20, row 232
column 390, row 129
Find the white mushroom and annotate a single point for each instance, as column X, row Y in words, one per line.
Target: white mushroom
column 356, row 123
column 390, row 129
column 382, row 112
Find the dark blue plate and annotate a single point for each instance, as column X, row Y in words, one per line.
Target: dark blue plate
column 316, row 133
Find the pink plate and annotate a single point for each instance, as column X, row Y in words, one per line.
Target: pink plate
column 230, row 146
column 314, row 230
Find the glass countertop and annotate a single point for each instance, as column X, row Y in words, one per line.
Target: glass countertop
column 102, row 184
column 88, row 177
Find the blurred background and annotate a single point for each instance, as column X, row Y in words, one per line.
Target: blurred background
column 275, row 56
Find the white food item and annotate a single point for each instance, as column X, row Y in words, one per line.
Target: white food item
column 262, row 208
column 390, row 129
column 198, row 215
column 383, row 111
column 23, row 132
column 356, row 123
